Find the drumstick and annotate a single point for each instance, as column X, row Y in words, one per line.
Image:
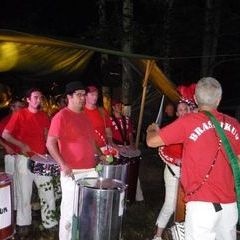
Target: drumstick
column 40, row 155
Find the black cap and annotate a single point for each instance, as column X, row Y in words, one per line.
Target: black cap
column 73, row 86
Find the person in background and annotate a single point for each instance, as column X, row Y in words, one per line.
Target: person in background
column 206, row 174
column 27, row 129
column 99, row 118
column 10, row 149
column 171, row 155
column 71, row 143
column 121, row 126
column 169, row 114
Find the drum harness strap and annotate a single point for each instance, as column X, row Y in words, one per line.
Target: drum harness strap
column 101, row 111
column 231, row 156
column 171, row 171
column 122, row 129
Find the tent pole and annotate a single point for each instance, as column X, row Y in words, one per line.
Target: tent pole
column 145, row 81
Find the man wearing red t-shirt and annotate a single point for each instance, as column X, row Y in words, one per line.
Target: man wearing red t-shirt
column 99, row 118
column 27, row 130
column 10, row 149
column 207, row 178
column 71, row 143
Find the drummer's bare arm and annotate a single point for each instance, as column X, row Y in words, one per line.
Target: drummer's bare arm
column 53, row 149
column 153, row 138
column 7, row 148
column 99, row 152
column 132, row 144
column 10, row 138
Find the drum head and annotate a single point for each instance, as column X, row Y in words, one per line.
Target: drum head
column 129, row 152
column 102, row 183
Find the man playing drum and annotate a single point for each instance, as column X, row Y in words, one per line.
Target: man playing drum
column 9, row 157
column 71, row 143
column 27, row 129
column 122, row 135
column 121, row 126
column 206, row 177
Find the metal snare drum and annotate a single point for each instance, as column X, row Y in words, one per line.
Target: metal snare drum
column 132, row 157
column 43, row 165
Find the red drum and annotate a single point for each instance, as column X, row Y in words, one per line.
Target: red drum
column 6, row 206
column 179, row 215
column 43, row 165
column 132, row 157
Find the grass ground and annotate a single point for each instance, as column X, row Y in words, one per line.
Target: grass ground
column 139, row 218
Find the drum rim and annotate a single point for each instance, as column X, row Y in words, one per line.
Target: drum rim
column 121, row 183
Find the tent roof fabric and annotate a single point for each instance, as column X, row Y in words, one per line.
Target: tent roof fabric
column 43, row 56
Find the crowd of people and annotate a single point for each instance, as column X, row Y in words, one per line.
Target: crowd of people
column 77, row 134
column 73, row 136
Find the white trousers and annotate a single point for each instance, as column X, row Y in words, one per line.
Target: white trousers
column 171, row 189
column 68, row 186
column 9, row 163
column 204, row 223
column 24, row 192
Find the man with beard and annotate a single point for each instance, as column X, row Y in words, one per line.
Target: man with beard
column 71, row 143
column 27, row 130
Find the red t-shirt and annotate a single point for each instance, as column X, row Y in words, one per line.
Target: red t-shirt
column 99, row 123
column 75, row 138
column 125, row 127
column 29, row 128
column 200, row 144
column 3, row 123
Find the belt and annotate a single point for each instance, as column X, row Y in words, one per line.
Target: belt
column 217, row 207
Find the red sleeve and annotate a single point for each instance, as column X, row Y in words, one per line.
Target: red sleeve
column 3, row 123
column 13, row 123
column 55, row 128
column 174, row 132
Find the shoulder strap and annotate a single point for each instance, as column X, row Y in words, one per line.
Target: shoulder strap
column 121, row 131
column 231, row 156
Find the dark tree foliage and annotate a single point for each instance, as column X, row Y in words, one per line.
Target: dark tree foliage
column 79, row 20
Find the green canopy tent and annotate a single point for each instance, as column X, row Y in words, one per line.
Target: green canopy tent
column 42, row 56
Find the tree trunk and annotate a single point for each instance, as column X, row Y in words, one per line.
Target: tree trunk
column 210, row 41
column 127, row 47
column 102, row 26
column 167, row 38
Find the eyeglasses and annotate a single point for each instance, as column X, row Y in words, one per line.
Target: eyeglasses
column 80, row 94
